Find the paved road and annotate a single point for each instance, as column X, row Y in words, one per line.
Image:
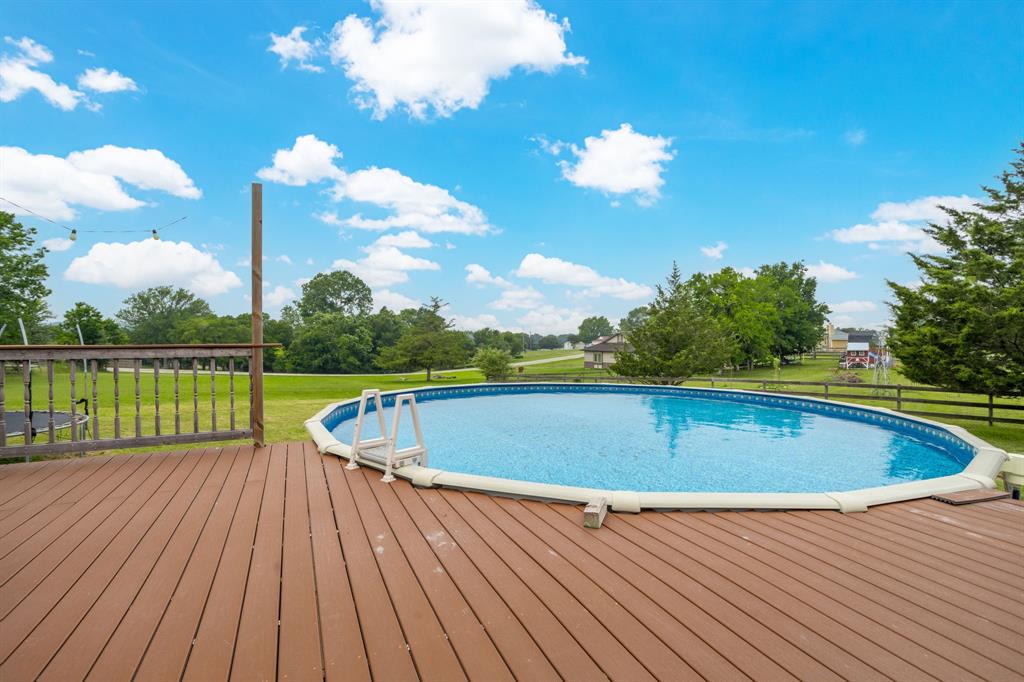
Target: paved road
column 524, row 363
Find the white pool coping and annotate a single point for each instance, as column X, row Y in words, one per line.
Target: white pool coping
column 979, row 473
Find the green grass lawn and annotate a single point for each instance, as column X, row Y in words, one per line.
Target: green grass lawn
column 290, row 400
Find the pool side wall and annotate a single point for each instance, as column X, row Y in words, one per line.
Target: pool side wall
column 979, row 473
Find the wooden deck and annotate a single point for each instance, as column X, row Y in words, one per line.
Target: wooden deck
column 277, row 563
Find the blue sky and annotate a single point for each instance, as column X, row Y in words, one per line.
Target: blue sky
column 530, row 164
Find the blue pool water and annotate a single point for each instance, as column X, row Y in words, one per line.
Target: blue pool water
column 659, row 439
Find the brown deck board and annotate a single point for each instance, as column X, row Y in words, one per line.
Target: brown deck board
column 474, row 648
column 128, row 644
column 86, row 616
column 80, row 650
column 210, row 658
column 255, row 652
column 278, row 564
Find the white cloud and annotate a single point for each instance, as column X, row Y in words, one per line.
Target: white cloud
column 925, row 208
column 309, row 261
column 279, row 296
column 385, row 298
column 889, row 230
column 57, row 244
column 442, row 56
column 558, row 271
column 829, row 272
column 284, row 258
column 518, row 298
column 899, row 226
column 475, row 322
column 412, row 205
column 554, row 148
column 480, row 276
column 31, row 50
column 18, row 75
column 415, row 205
column 144, row 168
column 855, row 137
column 547, row 319
column 714, row 252
column 384, row 266
column 621, row 162
column 293, row 47
column 449, row 246
column 409, row 239
column 747, row 272
column 105, row 80
column 309, row 160
column 149, row 262
column 853, row 306
column 51, row 185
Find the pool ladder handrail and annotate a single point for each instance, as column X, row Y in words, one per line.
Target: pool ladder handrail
column 393, row 455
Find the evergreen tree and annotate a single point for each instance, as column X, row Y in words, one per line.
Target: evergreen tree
column 676, row 340
column 963, row 327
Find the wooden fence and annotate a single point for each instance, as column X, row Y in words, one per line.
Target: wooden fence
column 85, row 365
column 891, row 393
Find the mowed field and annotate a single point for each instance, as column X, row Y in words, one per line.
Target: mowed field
column 291, row 399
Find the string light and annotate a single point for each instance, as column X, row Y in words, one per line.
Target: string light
column 73, row 231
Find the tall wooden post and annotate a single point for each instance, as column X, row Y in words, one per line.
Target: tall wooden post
column 256, row 368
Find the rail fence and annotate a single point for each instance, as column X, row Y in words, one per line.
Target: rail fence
column 900, row 394
column 90, row 413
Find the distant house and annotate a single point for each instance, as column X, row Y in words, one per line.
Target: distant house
column 838, row 340
column 601, row 353
column 860, row 337
column 569, row 345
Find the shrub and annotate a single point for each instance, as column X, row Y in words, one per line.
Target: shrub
column 493, row 362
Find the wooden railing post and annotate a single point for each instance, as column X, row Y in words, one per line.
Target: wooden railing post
column 256, row 360
column 136, row 370
column 72, row 367
column 117, row 399
column 213, row 394
column 51, row 426
column 156, row 396
column 95, row 402
column 26, row 380
column 177, row 396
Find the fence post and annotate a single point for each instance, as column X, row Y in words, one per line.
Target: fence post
column 899, row 397
column 990, row 410
column 826, row 391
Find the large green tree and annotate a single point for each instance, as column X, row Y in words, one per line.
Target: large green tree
column 97, row 329
column 745, row 307
column 156, row 315
column 329, row 343
column 23, row 274
column 676, row 340
column 799, row 319
column 593, row 327
column 429, row 343
column 335, row 292
column 963, row 327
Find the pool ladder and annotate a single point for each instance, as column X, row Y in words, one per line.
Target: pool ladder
column 383, row 450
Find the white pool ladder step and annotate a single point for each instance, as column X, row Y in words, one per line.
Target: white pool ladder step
column 383, row 450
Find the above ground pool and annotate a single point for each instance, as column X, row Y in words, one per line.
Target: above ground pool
column 664, row 440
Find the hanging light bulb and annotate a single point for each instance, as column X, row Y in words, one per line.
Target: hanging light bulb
column 74, row 235
column 156, row 237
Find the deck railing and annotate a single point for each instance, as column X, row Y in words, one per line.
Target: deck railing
column 92, row 410
column 900, row 394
